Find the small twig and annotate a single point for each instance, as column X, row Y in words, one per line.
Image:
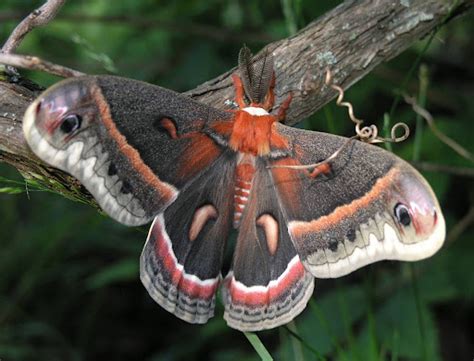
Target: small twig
column 35, row 63
column 423, row 76
column 461, row 226
column 441, row 136
column 39, row 17
column 443, row 168
column 368, row 134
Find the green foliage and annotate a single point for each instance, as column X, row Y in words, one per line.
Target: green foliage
column 258, row 346
column 69, row 287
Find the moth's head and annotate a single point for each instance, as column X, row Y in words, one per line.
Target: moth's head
column 416, row 211
column 59, row 114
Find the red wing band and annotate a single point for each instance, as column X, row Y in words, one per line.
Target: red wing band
column 185, row 295
column 256, row 308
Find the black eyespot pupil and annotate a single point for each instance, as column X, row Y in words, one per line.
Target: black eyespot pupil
column 333, row 245
column 112, row 170
column 351, row 235
column 126, row 187
column 402, row 214
column 71, row 123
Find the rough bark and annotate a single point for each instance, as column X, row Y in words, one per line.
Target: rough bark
column 351, row 40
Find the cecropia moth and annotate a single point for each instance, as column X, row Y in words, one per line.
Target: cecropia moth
column 198, row 173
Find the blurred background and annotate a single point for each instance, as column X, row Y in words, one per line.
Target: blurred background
column 69, row 285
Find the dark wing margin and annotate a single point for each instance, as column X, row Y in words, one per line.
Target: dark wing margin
column 120, row 150
column 268, row 284
column 181, row 262
column 371, row 205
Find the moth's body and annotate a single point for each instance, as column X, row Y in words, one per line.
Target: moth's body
column 149, row 154
column 244, row 172
column 252, row 131
column 251, row 137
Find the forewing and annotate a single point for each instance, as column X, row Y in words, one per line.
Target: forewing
column 370, row 206
column 117, row 146
column 182, row 258
column 267, row 285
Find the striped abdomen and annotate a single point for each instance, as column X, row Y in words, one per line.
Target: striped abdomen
column 243, row 184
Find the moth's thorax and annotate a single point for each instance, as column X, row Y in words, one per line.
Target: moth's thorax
column 245, row 170
column 252, row 131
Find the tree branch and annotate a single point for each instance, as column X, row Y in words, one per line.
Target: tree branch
column 35, row 63
column 41, row 16
column 351, row 40
column 444, row 168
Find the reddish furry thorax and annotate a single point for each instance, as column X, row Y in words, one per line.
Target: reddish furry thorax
column 251, row 134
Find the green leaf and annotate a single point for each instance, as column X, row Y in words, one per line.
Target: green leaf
column 258, row 346
column 329, row 318
column 400, row 315
column 106, row 62
column 11, row 190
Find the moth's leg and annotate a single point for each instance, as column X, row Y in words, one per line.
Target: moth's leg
column 324, row 168
column 239, row 91
column 281, row 115
column 270, row 97
column 169, row 126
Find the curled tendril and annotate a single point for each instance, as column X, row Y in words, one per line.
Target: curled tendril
column 368, row 133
